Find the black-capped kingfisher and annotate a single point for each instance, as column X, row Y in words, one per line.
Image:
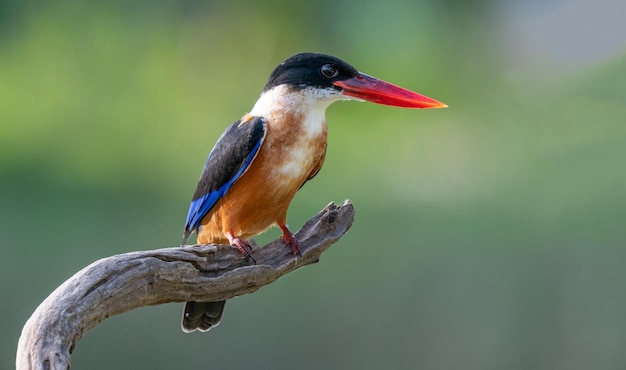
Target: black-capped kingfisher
column 259, row 163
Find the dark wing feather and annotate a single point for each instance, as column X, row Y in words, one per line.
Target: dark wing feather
column 229, row 159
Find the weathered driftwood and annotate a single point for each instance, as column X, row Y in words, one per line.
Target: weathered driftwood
column 120, row 283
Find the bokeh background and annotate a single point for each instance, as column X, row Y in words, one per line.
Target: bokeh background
column 489, row 235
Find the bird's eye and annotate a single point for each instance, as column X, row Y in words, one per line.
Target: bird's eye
column 329, row 70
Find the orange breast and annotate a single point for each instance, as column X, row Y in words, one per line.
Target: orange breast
column 288, row 157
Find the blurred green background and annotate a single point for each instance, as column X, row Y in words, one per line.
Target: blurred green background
column 489, row 235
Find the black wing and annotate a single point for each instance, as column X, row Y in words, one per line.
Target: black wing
column 229, row 159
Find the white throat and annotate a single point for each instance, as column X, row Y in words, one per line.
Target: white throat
column 310, row 103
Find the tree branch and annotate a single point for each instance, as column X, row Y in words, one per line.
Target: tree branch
column 120, row 283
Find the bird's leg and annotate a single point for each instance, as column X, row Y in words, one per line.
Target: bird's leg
column 290, row 240
column 242, row 245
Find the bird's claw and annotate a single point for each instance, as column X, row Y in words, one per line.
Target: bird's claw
column 290, row 241
column 244, row 248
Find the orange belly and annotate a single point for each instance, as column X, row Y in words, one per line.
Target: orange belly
column 261, row 196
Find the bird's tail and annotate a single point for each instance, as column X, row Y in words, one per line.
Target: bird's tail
column 201, row 315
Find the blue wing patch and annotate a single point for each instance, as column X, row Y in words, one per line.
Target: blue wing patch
column 228, row 161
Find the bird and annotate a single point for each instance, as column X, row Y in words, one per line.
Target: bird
column 261, row 160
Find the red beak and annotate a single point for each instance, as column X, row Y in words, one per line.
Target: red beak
column 380, row 92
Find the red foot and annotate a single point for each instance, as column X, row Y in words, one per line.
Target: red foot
column 290, row 240
column 242, row 245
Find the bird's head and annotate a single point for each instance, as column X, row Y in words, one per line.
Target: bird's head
column 336, row 79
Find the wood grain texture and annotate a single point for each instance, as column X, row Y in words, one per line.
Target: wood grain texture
column 120, row 283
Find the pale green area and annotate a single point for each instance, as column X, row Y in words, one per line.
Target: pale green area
column 489, row 235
